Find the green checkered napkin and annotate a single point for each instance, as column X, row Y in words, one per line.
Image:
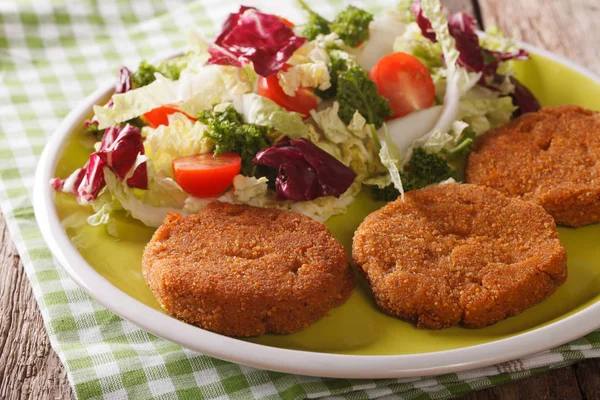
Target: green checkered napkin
column 53, row 53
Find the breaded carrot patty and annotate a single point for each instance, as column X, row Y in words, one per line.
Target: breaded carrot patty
column 459, row 254
column 244, row 271
column 551, row 157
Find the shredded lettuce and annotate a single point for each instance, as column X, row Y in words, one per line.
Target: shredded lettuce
column 245, row 190
column 359, row 127
column 180, row 138
column 391, row 158
column 261, row 111
column 429, row 53
column 353, row 144
column 308, row 75
column 330, row 123
column 406, row 131
column 434, row 12
column 494, row 40
column 323, row 208
column 254, row 191
column 192, row 93
column 139, row 208
column 485, row 114
column 439, row 141
column 103, row 206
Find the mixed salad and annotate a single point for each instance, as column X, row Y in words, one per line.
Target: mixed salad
column 300, row 117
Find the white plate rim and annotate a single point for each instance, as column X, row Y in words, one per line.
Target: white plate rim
column 273, row 358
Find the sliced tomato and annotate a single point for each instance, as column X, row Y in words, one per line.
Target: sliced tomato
column 160, row 116
column 304, row 100
column 206, row 175
column 405, row 82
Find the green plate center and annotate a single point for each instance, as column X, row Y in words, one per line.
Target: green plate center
column 358, row 327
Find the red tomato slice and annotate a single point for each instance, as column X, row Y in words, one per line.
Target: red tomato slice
column 405, row 82
column 160, row 116
column 304, row 100
column 206, row 175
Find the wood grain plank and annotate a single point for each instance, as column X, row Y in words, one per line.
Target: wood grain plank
column 566, row 27
column 588, row 378
column 560, row 384
column 29, row 368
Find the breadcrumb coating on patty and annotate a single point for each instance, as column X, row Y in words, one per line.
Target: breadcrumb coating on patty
column 455, row 254
column 551, row 157
column 244, row 271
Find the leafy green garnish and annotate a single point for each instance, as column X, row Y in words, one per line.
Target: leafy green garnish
column 423, row 169
column 171, row 68
column 315, row 25
column 352, row 25
column 352, row 88
column 91, row 128
column 230, row 134
column 355, row 91
column 388, row 193
column 144, row 75
column 465, row 142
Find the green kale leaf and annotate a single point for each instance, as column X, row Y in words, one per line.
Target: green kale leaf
column 355, row 91
column 91, row 128
column 315, row 25
column 423, row 169
column 465, row 142
column 387, row 194
column 171, row 68
column 230, row 134
column 144, row 75
column 352, row 25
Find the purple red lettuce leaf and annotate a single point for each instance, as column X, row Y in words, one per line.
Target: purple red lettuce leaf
column 305, row 172
column 475, row 58
column 422, row 21
column 118, row 151
column 472, row 56
column 462, row 28
column 85, row 183
column 251, row 36
column 523, row 99
column 122, row 85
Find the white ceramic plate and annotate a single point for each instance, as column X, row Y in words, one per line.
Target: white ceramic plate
column 272, row 358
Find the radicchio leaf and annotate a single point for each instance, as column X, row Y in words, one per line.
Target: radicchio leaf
column 93, row 179
column 462, row 27
column 422, row 21
column 119, row 150
column 305, row 172
column 122, row 85
column 472, row 56
column 85, row 183
column 523, row 99
column 251, row 36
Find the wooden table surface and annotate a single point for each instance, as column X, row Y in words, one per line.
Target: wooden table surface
column 29, row 368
